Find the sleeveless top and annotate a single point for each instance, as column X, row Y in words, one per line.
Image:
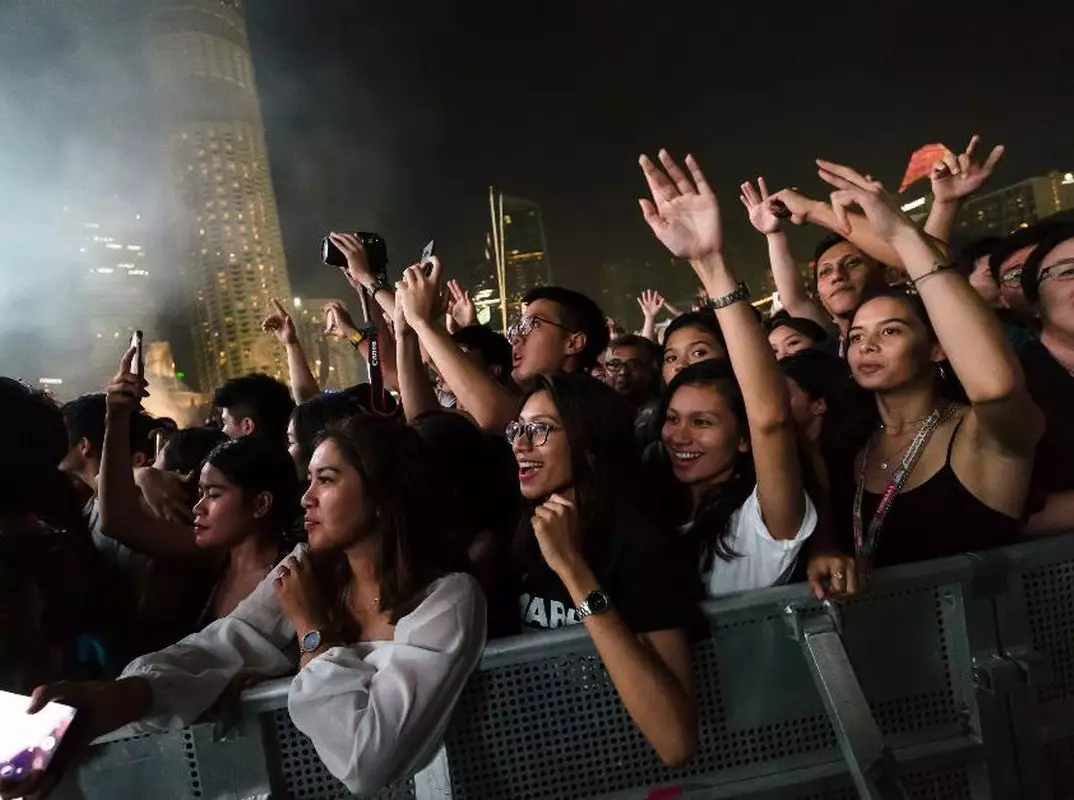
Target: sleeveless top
column 939, row 518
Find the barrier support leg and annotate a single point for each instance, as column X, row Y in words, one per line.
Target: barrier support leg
column 871, row 766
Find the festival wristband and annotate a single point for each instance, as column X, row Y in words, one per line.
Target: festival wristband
column 356, row 339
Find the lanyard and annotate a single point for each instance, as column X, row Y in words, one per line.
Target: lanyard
column 865, row 545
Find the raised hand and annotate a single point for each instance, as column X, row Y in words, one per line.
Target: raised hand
column 956, row 177
column 338, row 321
column 684, row 214
column 125, row 391
column 558, row 532
column 854, row 189
column 463, row 310
column 357, row 272
column 280, row 323
column 765, row 213
column 419, row 294
column 792, row 205
column 650, row 303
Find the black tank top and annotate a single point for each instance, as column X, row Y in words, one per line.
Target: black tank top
column 939, row 518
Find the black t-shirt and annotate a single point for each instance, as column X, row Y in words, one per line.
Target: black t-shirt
column 1052, row 387
column 650, row 588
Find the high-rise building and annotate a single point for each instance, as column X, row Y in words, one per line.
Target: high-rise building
column 1002, row 211
column 334, row 362
column 112, row 283
column 1017, row 206
column 226, row 222
column 519, row 247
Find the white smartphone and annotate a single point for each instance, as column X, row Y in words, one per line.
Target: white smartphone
column 29, row 741
column 138, row 364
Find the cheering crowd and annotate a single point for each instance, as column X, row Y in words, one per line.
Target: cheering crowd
column 911, row 404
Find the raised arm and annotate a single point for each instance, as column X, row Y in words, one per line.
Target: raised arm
column 491, row 405
column 971, row 336
column 415, row 388
column 303, row 383
column 685, row 215
column 789, row 283
column 122, row 516
column 650, row 303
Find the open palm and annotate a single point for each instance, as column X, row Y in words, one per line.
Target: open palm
column 762, row 215
column 684, row 214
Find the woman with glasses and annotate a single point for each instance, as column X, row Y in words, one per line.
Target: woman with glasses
column 588, row 553
column 728, row 442
column 1048, row 280
column 933, row 477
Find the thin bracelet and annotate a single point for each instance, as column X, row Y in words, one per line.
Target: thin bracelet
column 937, row 267
column 740, row 292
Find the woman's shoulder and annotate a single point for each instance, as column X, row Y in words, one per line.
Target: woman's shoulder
column 454, row 588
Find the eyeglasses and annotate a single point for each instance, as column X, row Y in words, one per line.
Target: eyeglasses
column 527, row 325
column 622, row 365
column 1060, row 270
column 535, row 432
column 1012, row 276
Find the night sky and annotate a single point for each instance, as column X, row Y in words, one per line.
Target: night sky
column 382, row 117
column 397, row 116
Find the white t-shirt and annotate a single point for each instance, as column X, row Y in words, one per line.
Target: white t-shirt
column 762, row 561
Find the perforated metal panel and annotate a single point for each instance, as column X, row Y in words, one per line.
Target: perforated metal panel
column 298, row 771
column 162, row 767
column 1049, row 593
column 899, row 643
column 940, row 784
column 555, row 727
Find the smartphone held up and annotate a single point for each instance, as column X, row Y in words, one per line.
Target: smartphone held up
column 29, row 742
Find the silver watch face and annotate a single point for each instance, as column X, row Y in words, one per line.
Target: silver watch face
column 310, row 641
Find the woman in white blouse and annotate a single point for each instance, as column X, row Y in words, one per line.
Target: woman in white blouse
column 386, row 636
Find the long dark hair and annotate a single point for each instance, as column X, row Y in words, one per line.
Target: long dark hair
column 613, row 501
column 313, row 416
column 409, row 552
column 708, row 535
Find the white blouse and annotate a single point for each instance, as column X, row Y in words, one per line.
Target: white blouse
column 375, row 711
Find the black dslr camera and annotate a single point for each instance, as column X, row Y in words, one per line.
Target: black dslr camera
column 376, row 252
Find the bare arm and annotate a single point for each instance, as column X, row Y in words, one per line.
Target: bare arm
column 122, row 517
column 491, row 405
column 789, row 283
column 652, row 678
column 685, row 216
column 415, row 388
column 1003, row 413
column 773, row 435
column 953, row 179
column 941, row 220
column 303, row 383
column 1057, row 516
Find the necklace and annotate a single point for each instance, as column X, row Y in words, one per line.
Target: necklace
column 374, row 604
column 886, row 463
column 865, row 540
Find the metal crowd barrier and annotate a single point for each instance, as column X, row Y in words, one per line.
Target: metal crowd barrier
column 949, row 679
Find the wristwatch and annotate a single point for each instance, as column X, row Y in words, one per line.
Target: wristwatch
column 381, row 284
column 309, row 642
column 596, row 602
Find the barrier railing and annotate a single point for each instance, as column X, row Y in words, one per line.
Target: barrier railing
column 948, row 679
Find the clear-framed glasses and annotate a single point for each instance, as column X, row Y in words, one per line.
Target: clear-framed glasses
column 1059, row 271
column 535, row 432
column 527, row 325
column 1012, row 275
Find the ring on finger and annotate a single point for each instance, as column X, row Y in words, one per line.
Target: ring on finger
column 838, row 576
